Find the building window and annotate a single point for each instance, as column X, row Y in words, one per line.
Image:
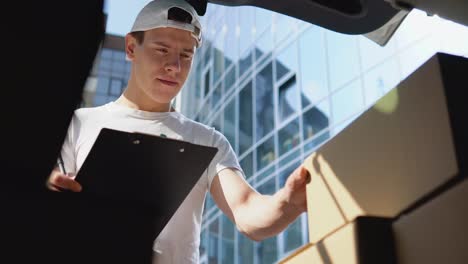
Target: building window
column 315, row 120
column 288, row 137
column 100, row 99
column 347, row 101
column 106, row 53
column 105, row 66
column 245, row 118
column 207, row 83
column 245, row 251
column 284, row 174
column 116, row 87
column 218, row 64
column 213, row 235
column 207, row 46
column 292, row 236
column 313, row 66
column 286, row 159
column 245, row 63
column 209, row 204
column 118, row 66
column 288, row 99
column 227, row 241
column 246, row 20
column 118, row 55
column 267, row 250
column 231, row 47
column 266, row 153
column 284, row 27
column 343, row 58
column 264, row 102
column 247, row 165
column 230, row 79
column 217, row 94
column 229, row 127
column 103, row 86
column 286, row 61
column 264, row 47
column 263, row 20
column 203, row 242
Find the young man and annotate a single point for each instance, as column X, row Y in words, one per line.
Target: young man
column 161, row 46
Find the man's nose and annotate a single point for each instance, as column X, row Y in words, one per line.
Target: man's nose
column 173, row 64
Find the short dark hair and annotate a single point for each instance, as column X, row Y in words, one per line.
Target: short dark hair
column 139, row 36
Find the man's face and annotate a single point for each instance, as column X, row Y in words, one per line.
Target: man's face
column 161, row 63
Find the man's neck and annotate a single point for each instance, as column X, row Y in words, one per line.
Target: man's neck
column 126, row 100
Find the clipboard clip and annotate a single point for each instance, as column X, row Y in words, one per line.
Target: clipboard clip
column 134, row 138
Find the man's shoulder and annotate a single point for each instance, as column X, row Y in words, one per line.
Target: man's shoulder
column 85, row 116
column 201, row 131
column 84, row 112
column 195, row 124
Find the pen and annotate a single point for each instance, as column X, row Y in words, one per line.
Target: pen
column 62, row 169
column 62, row 165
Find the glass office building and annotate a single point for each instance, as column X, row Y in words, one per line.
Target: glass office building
column 278, row 88
column 110, row 73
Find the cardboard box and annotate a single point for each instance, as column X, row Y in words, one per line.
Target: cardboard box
column 436, row 232
column 394, row 154
column 367, row 240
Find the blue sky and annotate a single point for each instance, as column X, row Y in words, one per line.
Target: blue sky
column 121, row 14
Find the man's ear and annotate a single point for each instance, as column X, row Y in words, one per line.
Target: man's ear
column 130, row 44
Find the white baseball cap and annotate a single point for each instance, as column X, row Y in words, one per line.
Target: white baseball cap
column 169, row 13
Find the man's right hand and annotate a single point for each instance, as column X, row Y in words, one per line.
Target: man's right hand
column 60, row 182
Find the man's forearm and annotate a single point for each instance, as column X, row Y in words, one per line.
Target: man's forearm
column 264, row 216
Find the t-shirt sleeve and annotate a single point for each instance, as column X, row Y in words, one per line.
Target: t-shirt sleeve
column 68, row 149
column 224, row 158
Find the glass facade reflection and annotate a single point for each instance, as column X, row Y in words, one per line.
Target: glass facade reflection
column 264, row 101
column 246, row 118
column 278, row 88
column 110, row 73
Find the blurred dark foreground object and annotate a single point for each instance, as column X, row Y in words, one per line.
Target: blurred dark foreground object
column 48, row 50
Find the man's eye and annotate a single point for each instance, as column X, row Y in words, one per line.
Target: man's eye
column 164, row 51
column 186, row 56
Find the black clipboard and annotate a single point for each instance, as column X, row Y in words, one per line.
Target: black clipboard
column 137, row 168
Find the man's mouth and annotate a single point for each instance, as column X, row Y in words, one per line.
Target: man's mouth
column 167, row 82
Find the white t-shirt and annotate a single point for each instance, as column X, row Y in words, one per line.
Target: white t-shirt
column 180, row 239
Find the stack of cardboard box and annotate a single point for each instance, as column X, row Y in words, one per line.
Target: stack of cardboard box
column 391, row 188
